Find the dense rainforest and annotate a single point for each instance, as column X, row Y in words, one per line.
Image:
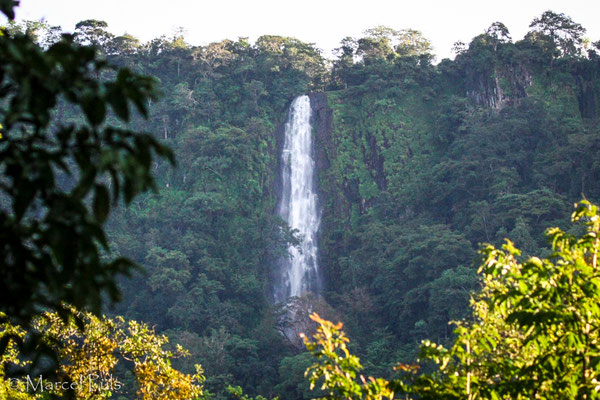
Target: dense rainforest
column 418, row 163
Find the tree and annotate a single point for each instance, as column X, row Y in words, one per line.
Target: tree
column 382, row 41
column 499, row 33
column 39, row 31
column 534, row 333
column 412, row 43
column 345, row 60
column 564, row 34
column 93, row 354
column 93, row 32
column 124, row 45
column 337, row 370
column 459, row 47
column 378, row 43
column 535, row 323
column 60, row 177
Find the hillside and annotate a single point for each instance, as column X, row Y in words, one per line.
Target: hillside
column 417, row 163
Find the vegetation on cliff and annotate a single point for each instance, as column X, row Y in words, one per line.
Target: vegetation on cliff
column 532, row 334
column 419, row 163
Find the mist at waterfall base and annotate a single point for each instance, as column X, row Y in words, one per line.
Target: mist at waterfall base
column 299, row 273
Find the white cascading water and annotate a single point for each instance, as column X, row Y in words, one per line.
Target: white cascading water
column 298, row 206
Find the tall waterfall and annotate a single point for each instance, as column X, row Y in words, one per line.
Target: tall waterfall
column 298, row 205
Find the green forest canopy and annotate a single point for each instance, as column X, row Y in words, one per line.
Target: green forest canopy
column 422, row 163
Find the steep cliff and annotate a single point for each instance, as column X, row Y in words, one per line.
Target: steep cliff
column 417, row 163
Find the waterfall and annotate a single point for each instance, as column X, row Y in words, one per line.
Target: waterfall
column 298, row 205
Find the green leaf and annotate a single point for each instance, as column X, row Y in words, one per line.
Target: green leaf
column 101, row 203
column 6, row 6
column 118, row 102
column 94, row 109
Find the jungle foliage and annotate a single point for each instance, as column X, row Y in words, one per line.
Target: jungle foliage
column 98, row 357
column 61, row 175
column 422, row 162
column 532, row 333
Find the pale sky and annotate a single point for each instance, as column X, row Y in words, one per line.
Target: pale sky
column 323, row 22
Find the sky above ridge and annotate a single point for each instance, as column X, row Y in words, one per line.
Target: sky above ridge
column 323, row 22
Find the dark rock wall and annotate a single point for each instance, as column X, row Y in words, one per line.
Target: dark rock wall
column 498, row 87
column 322, row 125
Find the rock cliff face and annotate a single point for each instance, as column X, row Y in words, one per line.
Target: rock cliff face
column 588, row 91
column 499, row 87
column 322, row 124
